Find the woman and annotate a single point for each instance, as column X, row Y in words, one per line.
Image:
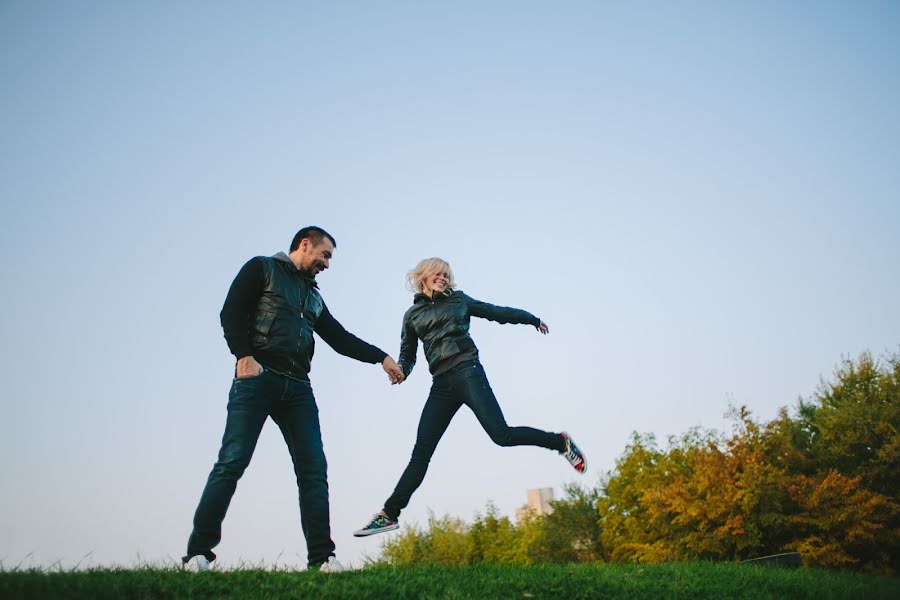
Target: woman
column 439, row 317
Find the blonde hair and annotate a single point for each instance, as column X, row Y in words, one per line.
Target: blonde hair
column 415, row 277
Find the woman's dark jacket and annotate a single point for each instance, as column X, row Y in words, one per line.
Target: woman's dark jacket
column 442, row 323
column 271, row 312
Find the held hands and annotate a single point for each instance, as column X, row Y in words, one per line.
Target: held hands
column 543, row 328
column 247, row 367
column 395, row 373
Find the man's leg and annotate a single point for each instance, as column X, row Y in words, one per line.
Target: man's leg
column 297, row 416
column 437, row 413
column 247, row 412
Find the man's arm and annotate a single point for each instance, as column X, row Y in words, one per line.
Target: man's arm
column 239, row 306
column 349, row 345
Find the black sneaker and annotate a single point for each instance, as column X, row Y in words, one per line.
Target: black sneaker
column 378, row 524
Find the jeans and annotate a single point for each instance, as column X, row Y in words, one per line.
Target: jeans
column 291, row 404
column 466, row 384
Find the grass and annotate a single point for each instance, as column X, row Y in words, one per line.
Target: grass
column 693, row 580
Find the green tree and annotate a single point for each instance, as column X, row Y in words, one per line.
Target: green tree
column 494, row 539
column 852, row 424
column 571, row 533
column 445, row 542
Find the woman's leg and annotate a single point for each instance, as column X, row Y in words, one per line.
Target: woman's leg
column 479, row 396
column 439, row 409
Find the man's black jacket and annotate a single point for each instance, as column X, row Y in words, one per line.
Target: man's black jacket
column 271, row 312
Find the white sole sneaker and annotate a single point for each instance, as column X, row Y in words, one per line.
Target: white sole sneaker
column 378, row 524
column 365, row 532
column 196, row 564
column 332, row 565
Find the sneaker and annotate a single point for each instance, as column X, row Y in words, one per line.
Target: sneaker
column 332, row 565
column 378, row 524
column 573, row 454
column 196, row 564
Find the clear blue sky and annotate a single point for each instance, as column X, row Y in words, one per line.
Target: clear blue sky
column 701, row 199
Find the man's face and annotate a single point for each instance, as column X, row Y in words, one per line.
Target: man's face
column 314, row 258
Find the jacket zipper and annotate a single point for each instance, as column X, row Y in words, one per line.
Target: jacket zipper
column 302, row 318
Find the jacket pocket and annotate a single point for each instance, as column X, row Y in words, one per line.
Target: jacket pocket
column 448, row 349
column 263, row 325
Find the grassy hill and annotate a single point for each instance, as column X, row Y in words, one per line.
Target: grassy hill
column 697, row 580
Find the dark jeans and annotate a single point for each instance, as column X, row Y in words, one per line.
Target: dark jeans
column 466, row 384
column 291, row 404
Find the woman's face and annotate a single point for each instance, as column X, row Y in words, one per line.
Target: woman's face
column 437, row 282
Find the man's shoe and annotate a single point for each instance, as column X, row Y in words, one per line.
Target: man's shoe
column 378, row 524
column 196, row 564
column 573, row 454
column 331, row 566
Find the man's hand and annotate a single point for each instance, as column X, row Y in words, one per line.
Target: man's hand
column 543, row 328
column 395, row 373
column 248, row 367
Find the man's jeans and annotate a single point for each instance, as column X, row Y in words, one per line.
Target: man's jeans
column 466, row 384
column 291, row 405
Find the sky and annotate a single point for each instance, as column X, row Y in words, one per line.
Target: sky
column 701, row 199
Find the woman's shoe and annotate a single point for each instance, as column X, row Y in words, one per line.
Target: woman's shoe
column 378, row 524
column 573, row 454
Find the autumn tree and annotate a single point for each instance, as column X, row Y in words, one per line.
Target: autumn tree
column 843, row 525
column 824, row 483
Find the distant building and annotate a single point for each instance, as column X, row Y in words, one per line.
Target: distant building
column 538, row 503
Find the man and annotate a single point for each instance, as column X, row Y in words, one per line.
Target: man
column 269, row 316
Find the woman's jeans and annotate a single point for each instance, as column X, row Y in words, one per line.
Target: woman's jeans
column 466, row 384
column 291, row 404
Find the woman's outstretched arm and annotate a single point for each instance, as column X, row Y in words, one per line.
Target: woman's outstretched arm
column 502, row 314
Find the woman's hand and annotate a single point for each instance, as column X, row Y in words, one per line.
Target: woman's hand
column 543, row 328
column 395, row 373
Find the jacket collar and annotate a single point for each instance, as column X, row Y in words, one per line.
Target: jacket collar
column 284, row 258
column 420, row 297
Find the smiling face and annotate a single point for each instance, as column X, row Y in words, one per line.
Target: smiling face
column 436, row 282
column 313, row 258
column 429, row 276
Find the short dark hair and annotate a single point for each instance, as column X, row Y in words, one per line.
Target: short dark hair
column 313, row 234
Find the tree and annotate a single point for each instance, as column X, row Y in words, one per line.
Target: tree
column 571, row 533
column 630, row 531
column 494, row 539
column 730, row 503
column 843, row 525
column 853, row 424
column 824, row 483
column 445, row 542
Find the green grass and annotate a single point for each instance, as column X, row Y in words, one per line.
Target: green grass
column 695, row 580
